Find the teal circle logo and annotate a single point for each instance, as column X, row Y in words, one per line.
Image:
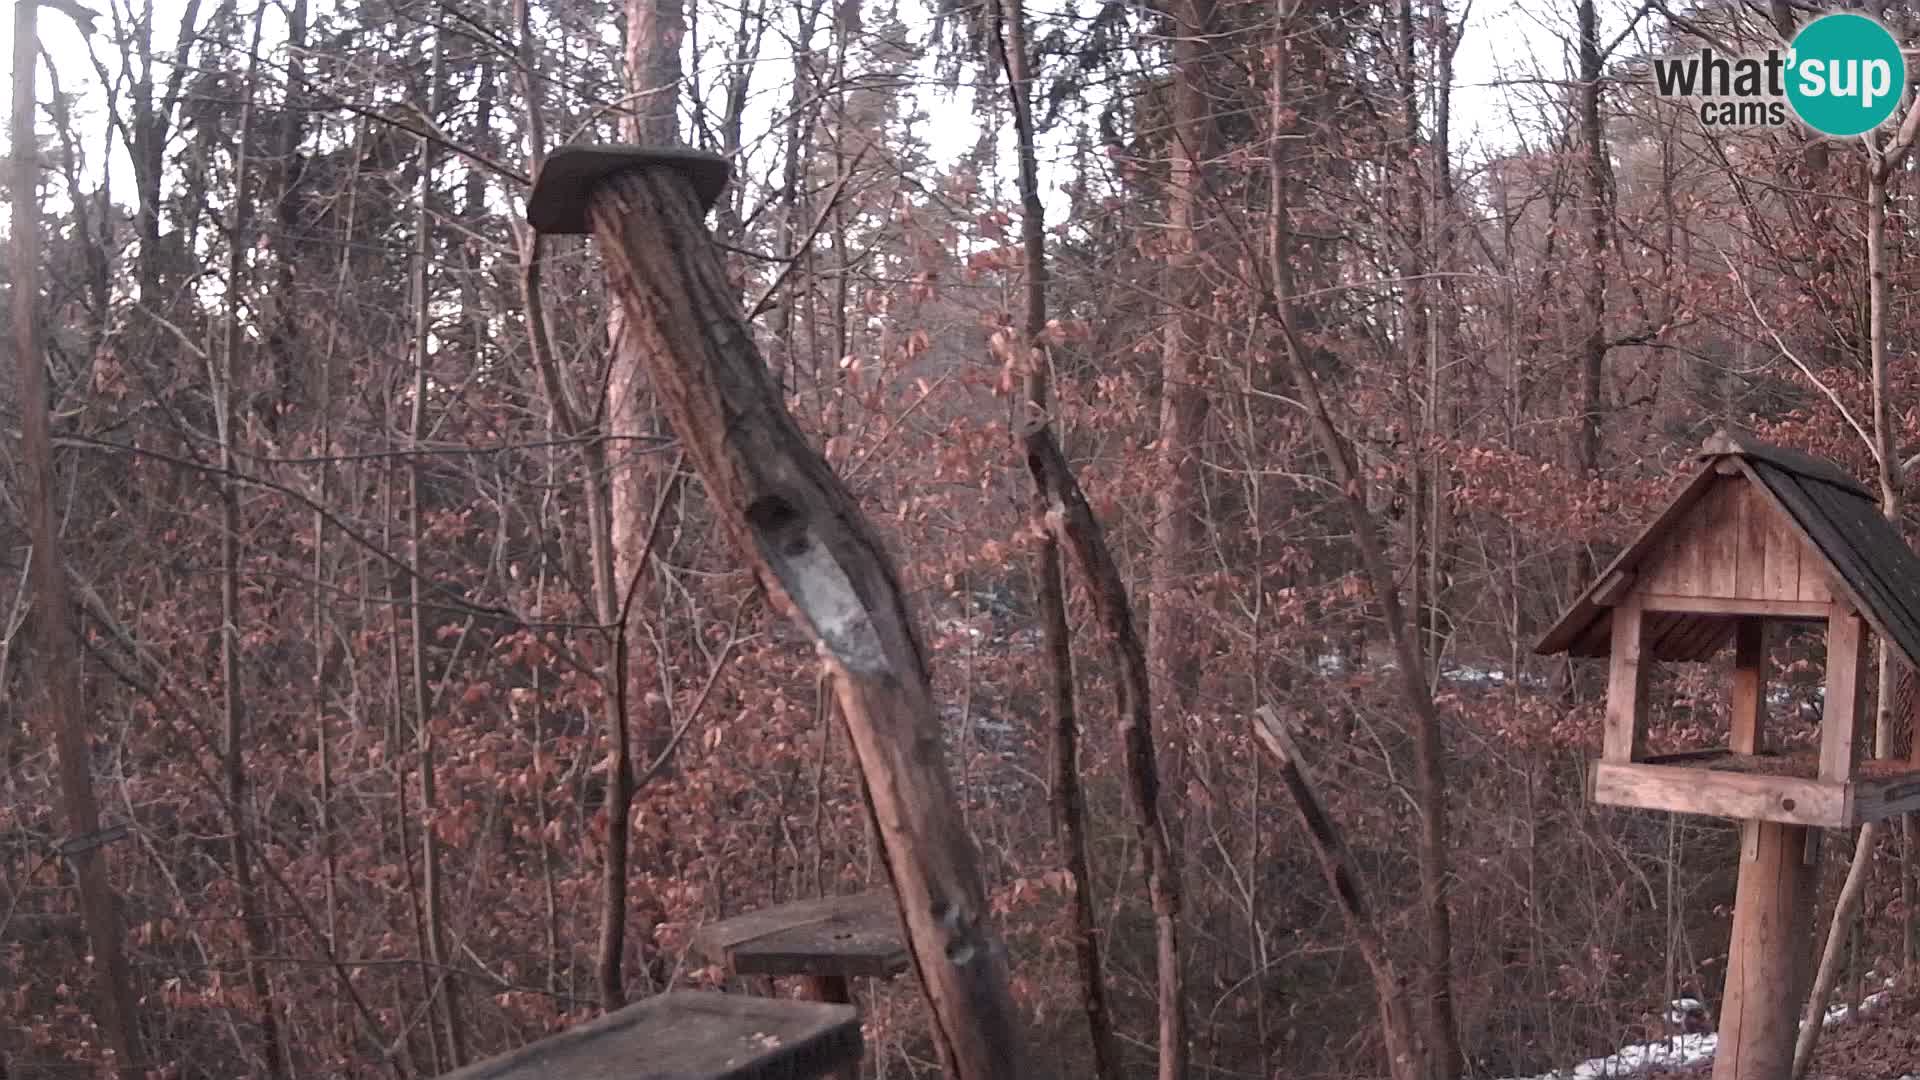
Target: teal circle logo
column 1846, row 74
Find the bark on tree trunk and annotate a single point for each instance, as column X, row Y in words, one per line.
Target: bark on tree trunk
column 233, row 710
column 619, row 525
column 438, row 951
column 811, row 547
column 55, row 692
column 1442, row 1046
column 1069, row 803
column 1879, row 166
column 1404, row 1054
column 1171, row 656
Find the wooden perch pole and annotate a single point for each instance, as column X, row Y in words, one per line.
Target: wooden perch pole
column 805, row 537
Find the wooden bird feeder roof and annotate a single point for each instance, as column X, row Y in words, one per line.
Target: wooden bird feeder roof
column 1757, row 530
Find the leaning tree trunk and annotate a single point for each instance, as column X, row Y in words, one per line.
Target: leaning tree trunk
column 798, row 526
column 1069, row 800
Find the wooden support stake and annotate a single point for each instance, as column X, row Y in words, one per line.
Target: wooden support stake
column 834, row 990
column 807, row 540
column 1767, row 961
column 1749, row 685
column 1626, row 733
column 1846, row 665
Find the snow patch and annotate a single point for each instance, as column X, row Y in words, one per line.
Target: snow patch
column 1681, row 1051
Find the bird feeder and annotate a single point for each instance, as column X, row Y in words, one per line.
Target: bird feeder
column 1758, row 536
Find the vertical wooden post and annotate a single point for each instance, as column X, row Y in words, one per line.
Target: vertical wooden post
column 1749, row 685
column 1767, row 961
column 1626, row 733
column 1846, row 664
column 834, row 990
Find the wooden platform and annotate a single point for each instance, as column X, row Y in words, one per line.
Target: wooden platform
column 690, row 1036
column 839, row 936
column 1762, row 787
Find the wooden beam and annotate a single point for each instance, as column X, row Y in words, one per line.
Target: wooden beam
column 691, row 1036
column 1744, row 796
column 1767, row 960
column 1626, row 731
column 837, row 936
column 1733, row 605
column 1846, row 667
column 1749, row 685
column 800, row 529
column 1888, row 797
column 1612, row 588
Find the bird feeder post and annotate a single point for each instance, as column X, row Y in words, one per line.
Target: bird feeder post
column 1767, row 955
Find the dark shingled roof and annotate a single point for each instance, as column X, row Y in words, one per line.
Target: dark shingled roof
column 1869, row 563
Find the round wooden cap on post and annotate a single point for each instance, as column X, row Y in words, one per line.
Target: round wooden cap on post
column 564, row 186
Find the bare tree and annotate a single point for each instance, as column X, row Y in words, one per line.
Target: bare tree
column 56, row 687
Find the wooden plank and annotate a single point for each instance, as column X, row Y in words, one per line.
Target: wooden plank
column 690, row 1036
column 841, row 936
column 1749, row 685
column 1846, row 668
column 1755, row 522
column 1736, row 605
column 1612, row 588
column 1657, row 568
column 1767, row 958
column 1718, row 534
column 1573, row 624
column 1783, row 549
column 1626, row 730
column 1814, row 587
column 1885, row 797
column 1703, row 791
column 855, row 936
column 1868, row 563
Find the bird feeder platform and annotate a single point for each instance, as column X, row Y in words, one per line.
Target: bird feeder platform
column 825, row 941
column 690, row 1036
column 1759, row 535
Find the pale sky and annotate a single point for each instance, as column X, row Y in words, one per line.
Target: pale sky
column 1505, row 40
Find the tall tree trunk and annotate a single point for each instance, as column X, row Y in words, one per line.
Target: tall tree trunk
column 55, row 690
column 1172, row 657
column 292, row 384
column 1593, row 291
column 1443, row 1046
column 438, row 951
column 1069, row 801
column 1881, row 164
column 619, row 528
column 232, row 710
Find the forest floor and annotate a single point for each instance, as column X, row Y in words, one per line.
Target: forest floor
column 1883, row 1043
